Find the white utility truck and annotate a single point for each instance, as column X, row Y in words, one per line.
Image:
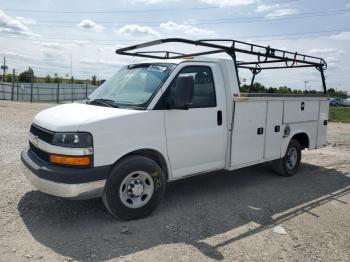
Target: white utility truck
column 174, row 116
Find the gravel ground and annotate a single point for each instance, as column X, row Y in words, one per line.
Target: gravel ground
column 246, row 215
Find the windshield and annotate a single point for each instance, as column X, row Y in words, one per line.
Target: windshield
column 133, row 85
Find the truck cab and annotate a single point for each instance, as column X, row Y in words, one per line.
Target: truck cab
column 158, row 121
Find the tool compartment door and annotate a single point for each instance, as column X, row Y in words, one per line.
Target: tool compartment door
column 273, row 130
column 248, row 133
column 300, row 111
column 322, row 124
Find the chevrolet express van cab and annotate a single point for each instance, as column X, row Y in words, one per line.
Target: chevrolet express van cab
column 168, row 118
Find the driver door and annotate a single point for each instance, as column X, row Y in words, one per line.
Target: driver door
column 196, row 138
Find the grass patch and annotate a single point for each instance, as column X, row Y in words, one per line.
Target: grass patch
column 339, row 114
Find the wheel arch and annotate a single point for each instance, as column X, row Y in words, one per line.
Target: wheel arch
column 153, row 154
column 303, row 139
column 302, row 136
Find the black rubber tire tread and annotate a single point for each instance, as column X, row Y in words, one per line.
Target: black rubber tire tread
column 111, row 197
column 280, row 165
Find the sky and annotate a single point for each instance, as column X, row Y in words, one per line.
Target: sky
column 80, row 37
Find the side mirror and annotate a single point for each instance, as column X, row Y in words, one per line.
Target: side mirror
column 183, row 92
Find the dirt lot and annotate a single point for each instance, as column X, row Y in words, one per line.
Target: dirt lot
column 221, row 216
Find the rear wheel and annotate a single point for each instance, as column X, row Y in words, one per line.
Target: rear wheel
column 135, row 187
column 289, row 164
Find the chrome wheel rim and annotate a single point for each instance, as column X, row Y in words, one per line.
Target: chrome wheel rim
column 292, row 158
column 136, row 189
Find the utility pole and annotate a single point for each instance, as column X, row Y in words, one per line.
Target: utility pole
column 4, row 67
column 71, row 75
column 13, row 84
column 305, row 82
column 31, row 88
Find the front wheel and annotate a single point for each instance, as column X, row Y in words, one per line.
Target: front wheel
column 134, row 188
column 289, row 164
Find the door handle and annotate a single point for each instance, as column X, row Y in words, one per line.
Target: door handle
column 277, row 129
column 260, row 131
column 219, row 118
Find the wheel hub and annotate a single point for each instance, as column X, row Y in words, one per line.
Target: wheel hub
column 135, row 188
column 292, row 158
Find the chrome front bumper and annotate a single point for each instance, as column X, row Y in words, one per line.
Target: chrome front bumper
column 73, row 191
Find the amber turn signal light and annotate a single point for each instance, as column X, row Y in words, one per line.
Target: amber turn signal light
column 70, row 160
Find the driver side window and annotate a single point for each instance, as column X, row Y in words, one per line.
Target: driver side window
column 204, row 89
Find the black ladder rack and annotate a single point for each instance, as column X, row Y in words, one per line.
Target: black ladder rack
column 266, row 58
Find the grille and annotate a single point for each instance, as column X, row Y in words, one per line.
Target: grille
column 42, row 133
column 39, row 153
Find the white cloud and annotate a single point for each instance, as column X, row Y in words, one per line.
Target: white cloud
column 326, row 51
column 137, row 30
column 99, row 62
column 342, row 36
column 263, row 8
column 332, row 59
column 52, row 55
column 26, row 21
column 53, row 45
column 348, row 5
column 89, row 24
column 105, row 49
column 9, row 25
column 185, row 28
column 109, row 49
column 82, row 42
column 282, row 12
column 15, row 55
column 151, row 2
column 222, row 3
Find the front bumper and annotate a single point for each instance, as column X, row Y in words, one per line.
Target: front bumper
column 67, row 182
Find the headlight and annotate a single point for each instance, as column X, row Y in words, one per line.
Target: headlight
column 79, row 139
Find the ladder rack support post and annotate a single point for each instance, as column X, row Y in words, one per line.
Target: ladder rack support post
column 252, row 82
column 323, row 80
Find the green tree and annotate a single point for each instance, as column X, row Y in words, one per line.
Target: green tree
column 331, row 92
column 57, row 79
column 284, row 90
column 48, row 79
column 26, row 76
column 272, row 90
column 94, row 78
column 8, row 78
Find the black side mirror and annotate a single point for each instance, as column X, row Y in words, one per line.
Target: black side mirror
column 183, row 92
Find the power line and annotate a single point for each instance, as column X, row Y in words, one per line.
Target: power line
column 316, row 13
column 214, row 21
column 93, row 41
column 129, row 10
column 109, row 12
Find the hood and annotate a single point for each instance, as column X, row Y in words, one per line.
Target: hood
column 69, row 117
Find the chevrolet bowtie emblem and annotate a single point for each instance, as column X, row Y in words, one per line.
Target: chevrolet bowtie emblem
column 35, row 140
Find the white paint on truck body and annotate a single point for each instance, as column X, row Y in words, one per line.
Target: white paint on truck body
column 191, row 141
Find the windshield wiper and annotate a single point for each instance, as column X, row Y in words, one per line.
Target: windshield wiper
column 102, row 101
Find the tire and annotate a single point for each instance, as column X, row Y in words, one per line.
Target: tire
column 289, row 164
column 134, row 188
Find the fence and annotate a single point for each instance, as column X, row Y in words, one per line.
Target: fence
column 44, row 92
